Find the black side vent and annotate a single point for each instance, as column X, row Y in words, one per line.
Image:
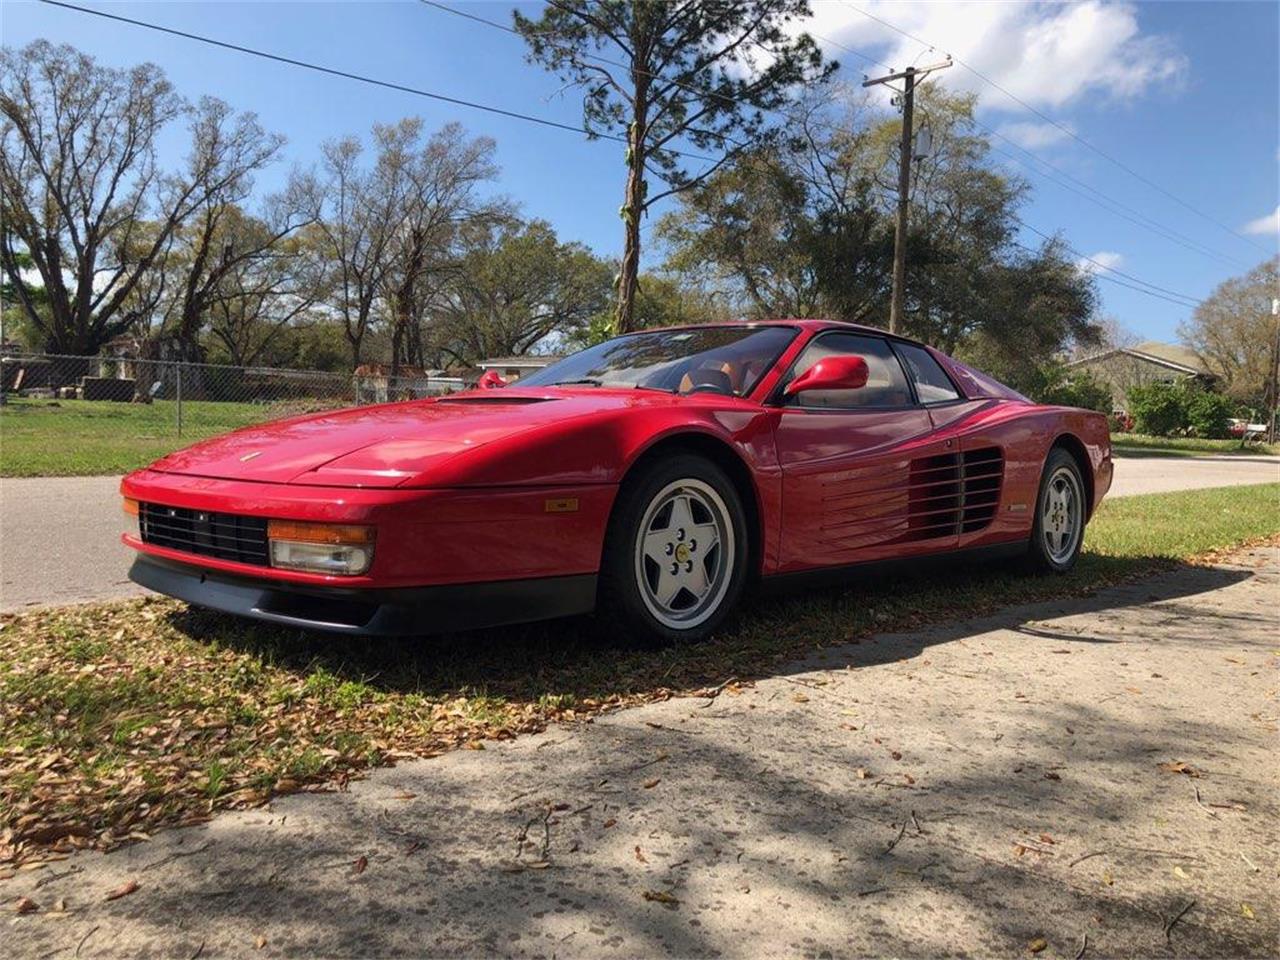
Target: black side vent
column 983, row 473
column 953, row 494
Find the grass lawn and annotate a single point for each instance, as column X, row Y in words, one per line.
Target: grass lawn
column 118, row 718
column 76, row 438
column 1137, row 444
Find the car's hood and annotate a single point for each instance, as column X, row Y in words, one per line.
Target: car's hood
column 393, row 444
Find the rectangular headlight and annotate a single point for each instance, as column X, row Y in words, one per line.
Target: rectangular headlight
column 330, row 548
column 131, row 524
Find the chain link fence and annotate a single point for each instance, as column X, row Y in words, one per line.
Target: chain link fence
column 69, row 414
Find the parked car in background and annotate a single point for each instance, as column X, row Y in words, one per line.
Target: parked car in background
column 652, row 476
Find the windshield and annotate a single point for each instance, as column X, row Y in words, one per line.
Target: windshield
column 728, row 360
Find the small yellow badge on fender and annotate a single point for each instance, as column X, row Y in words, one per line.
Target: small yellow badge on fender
column 564, row 505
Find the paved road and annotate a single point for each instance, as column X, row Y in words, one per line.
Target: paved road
column 61, row 543
column 972, row 789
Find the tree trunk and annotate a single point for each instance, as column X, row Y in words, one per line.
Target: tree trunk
column 632, row 211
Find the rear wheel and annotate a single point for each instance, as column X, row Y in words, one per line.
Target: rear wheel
column 676, row 555
column 1060, row 514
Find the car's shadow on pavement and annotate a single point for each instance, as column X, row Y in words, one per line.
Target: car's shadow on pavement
column 588, row 658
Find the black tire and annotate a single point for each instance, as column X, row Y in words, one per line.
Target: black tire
column 624, row 603
column 1051, row 549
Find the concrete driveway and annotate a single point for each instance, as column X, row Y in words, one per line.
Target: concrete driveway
column 61, row 534
column 1086, row 778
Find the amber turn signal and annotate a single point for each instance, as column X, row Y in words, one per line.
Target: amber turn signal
column 333, row 533
column 132, row 527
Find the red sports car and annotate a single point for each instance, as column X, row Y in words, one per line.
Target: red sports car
column 652, row 476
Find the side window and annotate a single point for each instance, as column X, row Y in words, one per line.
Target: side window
column 932, row 383
column 886, row 383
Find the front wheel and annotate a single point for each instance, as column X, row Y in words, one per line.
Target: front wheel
column 1060, row 514
column 677, row 551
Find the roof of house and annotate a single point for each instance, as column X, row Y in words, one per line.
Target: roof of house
column 532, row 361
column 1169, row 355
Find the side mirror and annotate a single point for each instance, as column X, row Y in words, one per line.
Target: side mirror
column 490, row 380
column 844, row 372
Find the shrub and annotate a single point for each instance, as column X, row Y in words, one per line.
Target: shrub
column 1208, row 414
column 1081, row 389
column 1159, row 409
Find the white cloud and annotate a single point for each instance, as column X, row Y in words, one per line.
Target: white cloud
column 1102, row 260
column 1034, row 135
column 1049, row 55
column 1270, row 223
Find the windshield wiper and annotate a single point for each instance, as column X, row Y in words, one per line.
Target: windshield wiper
column 583, row 381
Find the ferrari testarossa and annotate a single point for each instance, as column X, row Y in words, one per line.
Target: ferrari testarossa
column 651, row 477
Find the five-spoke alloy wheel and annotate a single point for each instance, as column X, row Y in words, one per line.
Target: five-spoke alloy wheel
column 677, row 553
column 1061, row 512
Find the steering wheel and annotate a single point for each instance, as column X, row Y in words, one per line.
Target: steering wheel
column 711, row 388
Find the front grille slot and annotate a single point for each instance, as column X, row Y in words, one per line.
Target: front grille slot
column 224, row 536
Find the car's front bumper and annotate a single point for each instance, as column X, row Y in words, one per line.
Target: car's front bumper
column 401, row 611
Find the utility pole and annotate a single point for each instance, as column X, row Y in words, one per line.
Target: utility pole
column 908, row 96
column 1272, row 394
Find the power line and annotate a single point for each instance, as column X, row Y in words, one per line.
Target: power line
column 1102, row 200
column 1154, row 289
column 1115, row 280
column 360, row 78
column 1062, row 127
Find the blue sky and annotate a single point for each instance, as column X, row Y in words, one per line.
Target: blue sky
column 1185, row 93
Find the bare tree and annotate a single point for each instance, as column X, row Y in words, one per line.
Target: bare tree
column 440, row 200
column 1235, row 334
column 258, row 297
column 359, row 220
column 82, row 193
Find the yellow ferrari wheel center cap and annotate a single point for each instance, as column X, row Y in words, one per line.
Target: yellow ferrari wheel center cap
column 682, row 552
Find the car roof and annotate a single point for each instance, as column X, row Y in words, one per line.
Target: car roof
column 811, row 324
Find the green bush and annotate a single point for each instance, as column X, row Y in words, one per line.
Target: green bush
column 1208, row 414
column 1159, row 409
column 1053, row 383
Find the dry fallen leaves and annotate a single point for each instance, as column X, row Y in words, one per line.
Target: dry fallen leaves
column 360, row 864
column 660, row 896
column 26, row 905
column 650, row 784
column 1038, row 944
column 126, row 888
column 1178, row 766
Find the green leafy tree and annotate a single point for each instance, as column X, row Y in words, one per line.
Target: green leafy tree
column 807, row 229
column 672, row 78
column 518, row 286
